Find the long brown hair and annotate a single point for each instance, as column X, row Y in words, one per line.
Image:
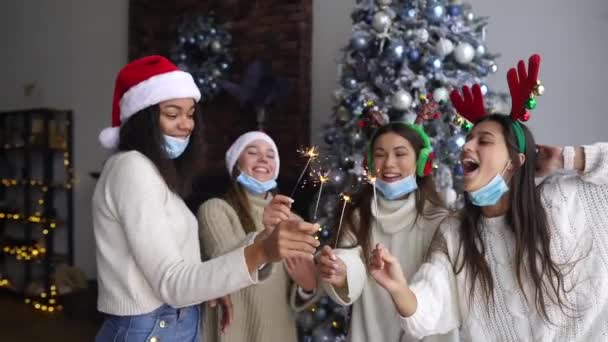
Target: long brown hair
column 527, row 220
column 360, row 227
column 236, row 196
column 142, row 133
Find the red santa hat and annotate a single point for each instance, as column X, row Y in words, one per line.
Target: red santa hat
column 142, row 83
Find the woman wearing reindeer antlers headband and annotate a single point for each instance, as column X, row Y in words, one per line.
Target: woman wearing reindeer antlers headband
column 522, row 262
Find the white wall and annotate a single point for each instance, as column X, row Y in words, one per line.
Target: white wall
column 71, row 50
column 570, row 35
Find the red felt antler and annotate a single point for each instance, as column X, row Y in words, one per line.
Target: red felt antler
column 521, row 86
column 470, row 105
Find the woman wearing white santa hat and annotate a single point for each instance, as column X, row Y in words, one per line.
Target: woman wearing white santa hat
column 262, row 312
column 150, row 274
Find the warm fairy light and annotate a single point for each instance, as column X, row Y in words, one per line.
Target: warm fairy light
column 45, row 301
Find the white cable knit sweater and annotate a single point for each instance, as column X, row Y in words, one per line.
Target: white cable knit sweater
column 577, row 210
column 147, row 242
column 374, row 317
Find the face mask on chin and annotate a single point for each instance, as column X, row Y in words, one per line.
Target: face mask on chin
column 255, row 186
column 174, row 147
column 394, row 190
column 490, row 193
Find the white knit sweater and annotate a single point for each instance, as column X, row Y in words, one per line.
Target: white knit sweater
column 577, row 210
column 148, row 250
column 374, row 317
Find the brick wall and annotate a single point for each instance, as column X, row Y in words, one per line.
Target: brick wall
column 275, row 30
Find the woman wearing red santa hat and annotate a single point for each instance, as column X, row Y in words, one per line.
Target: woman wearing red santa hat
column 151, row 278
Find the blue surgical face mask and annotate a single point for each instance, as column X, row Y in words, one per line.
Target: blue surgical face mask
column 394, row 190
column 174, row 147
column 255, row 186
column 490, row 193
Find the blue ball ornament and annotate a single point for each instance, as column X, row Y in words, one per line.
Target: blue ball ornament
column 320, row 314
column 454, row 10
column 413, row 55
column 408, row 13
column 458, row 169
column 435, row 12
column 325, row 234
column 433, row 64
column 360, row 41
column 349, row 83
column 395, row 51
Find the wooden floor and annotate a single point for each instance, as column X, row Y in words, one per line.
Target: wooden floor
column 21, row 323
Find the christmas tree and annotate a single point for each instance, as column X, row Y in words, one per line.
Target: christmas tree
column 403, row 59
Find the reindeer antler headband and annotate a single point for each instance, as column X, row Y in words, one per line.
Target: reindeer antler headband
column 523, row 86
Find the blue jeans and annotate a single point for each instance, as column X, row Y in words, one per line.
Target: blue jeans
column 164, row 324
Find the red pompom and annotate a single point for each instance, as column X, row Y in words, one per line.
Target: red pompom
column 428, row 168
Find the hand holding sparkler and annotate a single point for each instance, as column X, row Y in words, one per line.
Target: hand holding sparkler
column 331, row 268
column 279, row 209
column 303, row 272
column 290, row 239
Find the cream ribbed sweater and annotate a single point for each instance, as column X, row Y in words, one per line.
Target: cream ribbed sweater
column 577, row 210
column 148, row 251
column 374, row 317
column 261, row 313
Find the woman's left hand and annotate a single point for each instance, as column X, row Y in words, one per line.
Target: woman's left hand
column 386, row 270
column 303, row 272
column 548, row 160
column 279, row 209
column 226, row 305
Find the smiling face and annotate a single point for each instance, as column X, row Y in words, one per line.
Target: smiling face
column 485, row 155
column 177, row 117
column 394, row 157
column 258, row 160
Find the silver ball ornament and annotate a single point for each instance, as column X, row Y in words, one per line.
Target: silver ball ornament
column 464, row 53
column 401, row 100
column 441, row 94
column 216, row 46
column 381, row 21
column 444, row 47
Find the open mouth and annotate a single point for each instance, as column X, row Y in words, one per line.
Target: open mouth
column 391, row 176
column 259, row 169
column 469, row 166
